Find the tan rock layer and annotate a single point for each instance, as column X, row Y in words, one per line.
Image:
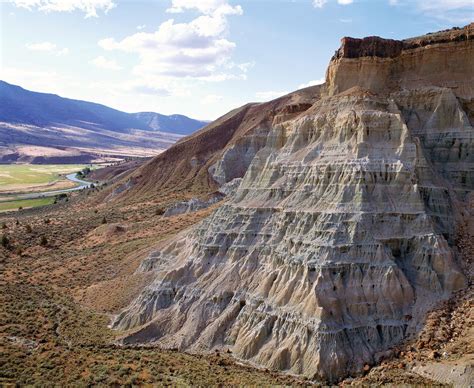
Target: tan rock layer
column 381, row 66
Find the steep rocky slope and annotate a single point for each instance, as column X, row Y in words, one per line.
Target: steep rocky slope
column 340, row 236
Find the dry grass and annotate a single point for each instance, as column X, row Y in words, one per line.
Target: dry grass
column 56, row 301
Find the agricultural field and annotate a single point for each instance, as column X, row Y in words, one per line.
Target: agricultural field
column 27, row 185
column 25, row 203
column 16, row 178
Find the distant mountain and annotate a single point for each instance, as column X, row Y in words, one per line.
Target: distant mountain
column 179, row 124
column 29, row 119
column 18, row 105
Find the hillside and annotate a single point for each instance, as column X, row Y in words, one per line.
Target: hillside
column 179, row 124
column 340, row 234
column 226, row 145
column 75, row 129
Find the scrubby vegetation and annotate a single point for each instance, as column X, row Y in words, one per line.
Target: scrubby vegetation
column 53, row 331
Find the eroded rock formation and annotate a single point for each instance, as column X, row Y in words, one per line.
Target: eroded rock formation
column 339, row 237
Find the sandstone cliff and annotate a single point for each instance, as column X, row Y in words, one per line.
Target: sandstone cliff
column 340, row 236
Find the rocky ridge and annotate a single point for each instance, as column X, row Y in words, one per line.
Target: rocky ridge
column 341, row 234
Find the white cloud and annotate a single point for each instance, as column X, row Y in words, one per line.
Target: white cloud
column 319, row 3
column 269, row 95
column 141, row 27
column 452, row 11
column 104, row 63
column 89, row 7
column 47, row 47
column 198, row 49
column 312, row 83
column 206, row 7
column 322, row 3
column 245, row 67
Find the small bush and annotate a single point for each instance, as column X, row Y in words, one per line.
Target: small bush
column 43, row 241
column 104, row 220
column 5, row 241
column 160, row 211
column 28, row 228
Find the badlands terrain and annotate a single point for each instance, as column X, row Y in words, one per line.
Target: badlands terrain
column 322, row 237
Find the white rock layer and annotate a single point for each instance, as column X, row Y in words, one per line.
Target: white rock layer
column 332, row 248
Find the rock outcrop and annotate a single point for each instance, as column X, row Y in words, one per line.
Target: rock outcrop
column 194, row 204
column 339, row 237
column 444, row 59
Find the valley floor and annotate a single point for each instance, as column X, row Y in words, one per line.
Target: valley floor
column 67, row 269
column 25, row 186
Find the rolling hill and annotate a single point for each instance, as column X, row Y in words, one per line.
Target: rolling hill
column 72, row 129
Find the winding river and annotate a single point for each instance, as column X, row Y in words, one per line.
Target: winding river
column 72, row 177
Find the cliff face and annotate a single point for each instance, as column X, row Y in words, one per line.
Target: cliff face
column 444, row 59
column 340, row 235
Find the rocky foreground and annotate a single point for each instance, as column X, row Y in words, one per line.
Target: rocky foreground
column 341, row 233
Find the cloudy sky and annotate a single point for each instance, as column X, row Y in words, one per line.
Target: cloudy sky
column 196, row 57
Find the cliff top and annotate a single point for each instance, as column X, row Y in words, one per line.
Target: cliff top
column 389, row 48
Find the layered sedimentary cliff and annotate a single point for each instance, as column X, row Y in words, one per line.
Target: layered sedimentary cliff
column 339, row 237
column 384, row 65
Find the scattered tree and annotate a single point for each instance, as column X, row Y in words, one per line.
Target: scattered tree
column 104, row 220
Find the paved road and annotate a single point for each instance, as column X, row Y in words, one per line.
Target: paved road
column 72, row 177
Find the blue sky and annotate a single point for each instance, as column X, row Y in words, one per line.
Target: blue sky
column 201, row 58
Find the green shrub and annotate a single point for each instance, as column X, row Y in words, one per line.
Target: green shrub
column 5, row 241
column 43, row 241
